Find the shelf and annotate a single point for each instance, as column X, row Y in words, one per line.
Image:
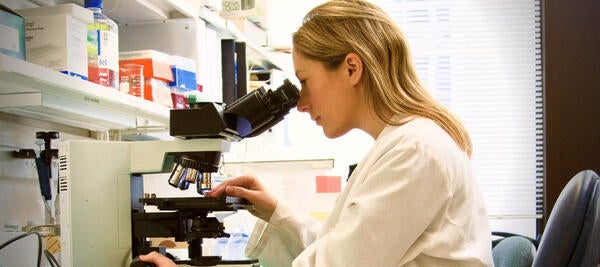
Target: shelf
column 31, row 90
column 228, row 29
column 142, row 11
column 158, row 10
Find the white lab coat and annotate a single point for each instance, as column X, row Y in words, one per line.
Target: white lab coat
column 412, row 201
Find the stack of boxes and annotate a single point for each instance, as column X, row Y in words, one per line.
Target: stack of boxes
column 56, row 37
column 157, row 73
column 184, row 85
column 168, row 79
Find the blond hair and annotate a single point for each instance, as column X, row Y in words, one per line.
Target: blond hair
column 332, row 30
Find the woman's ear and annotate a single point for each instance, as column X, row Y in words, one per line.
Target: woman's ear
column 354, row 67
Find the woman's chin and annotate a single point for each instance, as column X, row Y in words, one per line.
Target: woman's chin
column 333, row 134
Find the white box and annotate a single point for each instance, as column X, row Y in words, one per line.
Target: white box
column 56, row 37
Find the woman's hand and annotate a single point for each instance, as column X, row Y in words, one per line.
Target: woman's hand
column 158, row 259
column 248, row 187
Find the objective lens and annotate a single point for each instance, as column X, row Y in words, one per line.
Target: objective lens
column 175, row 177
column 183, row 183
column 204, row 183
column 191, row 175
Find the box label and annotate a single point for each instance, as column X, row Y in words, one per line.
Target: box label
column 10, row 38
column 58, row 43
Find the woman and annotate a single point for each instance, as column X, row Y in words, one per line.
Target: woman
column 413, row 200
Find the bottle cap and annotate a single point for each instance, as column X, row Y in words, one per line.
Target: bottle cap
column 93, row 3
column 191, row 99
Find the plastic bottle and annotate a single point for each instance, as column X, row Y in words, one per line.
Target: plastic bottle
column 103, row 47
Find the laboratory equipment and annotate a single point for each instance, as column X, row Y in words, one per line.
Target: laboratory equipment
column 103, row 218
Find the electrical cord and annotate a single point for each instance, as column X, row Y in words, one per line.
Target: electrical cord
column 46, row 253
column 53, row 261
column 16, row 238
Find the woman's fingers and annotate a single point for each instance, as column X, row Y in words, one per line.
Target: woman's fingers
column 263, row 203
column 241, row 181
column 158, row 259
column 216, row 191
column 249, row 188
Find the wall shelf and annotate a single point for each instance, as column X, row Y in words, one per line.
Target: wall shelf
column 34, row 91
column 158, row 10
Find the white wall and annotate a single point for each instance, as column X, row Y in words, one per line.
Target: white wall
column 20, row 196
column 284, row 17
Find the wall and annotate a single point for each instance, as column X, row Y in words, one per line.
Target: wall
column 284, row 17
column 20, row 197
column 571, row 44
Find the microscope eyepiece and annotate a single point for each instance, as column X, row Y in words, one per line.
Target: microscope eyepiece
column 261, row 109
column 248, row 116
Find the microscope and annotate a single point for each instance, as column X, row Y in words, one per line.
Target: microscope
column 101, row 184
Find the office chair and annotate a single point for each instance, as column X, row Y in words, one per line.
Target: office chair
column 572, row 233
column 514, row 251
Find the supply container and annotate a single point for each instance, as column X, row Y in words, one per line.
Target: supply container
column 157, row 73
column 132, row 79
column 103, row 47
column 55, row 37
column 184, row 72
column 184, row 80
column 179, row 98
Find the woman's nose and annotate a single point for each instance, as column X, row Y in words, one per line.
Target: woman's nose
column 302, row 105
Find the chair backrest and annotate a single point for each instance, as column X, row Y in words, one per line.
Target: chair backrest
column 514, row 251
column 572, row 233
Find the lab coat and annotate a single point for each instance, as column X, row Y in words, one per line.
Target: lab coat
column 412, row 201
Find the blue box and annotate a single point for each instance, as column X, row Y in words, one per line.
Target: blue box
column 183, row 79
column 12, row 30
column 184, row 73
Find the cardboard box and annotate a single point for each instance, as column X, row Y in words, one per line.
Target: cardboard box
column 56, row 37
column 184, row 73
column 12, row 30
column 157, row 71
column 161, row 93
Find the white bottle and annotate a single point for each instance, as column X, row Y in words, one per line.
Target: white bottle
column 103, row 47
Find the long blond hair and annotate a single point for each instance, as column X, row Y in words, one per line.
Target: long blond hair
column 332, row 30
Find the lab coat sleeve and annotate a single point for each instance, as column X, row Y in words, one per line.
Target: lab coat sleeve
column 403, row 191
column 279, row 241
